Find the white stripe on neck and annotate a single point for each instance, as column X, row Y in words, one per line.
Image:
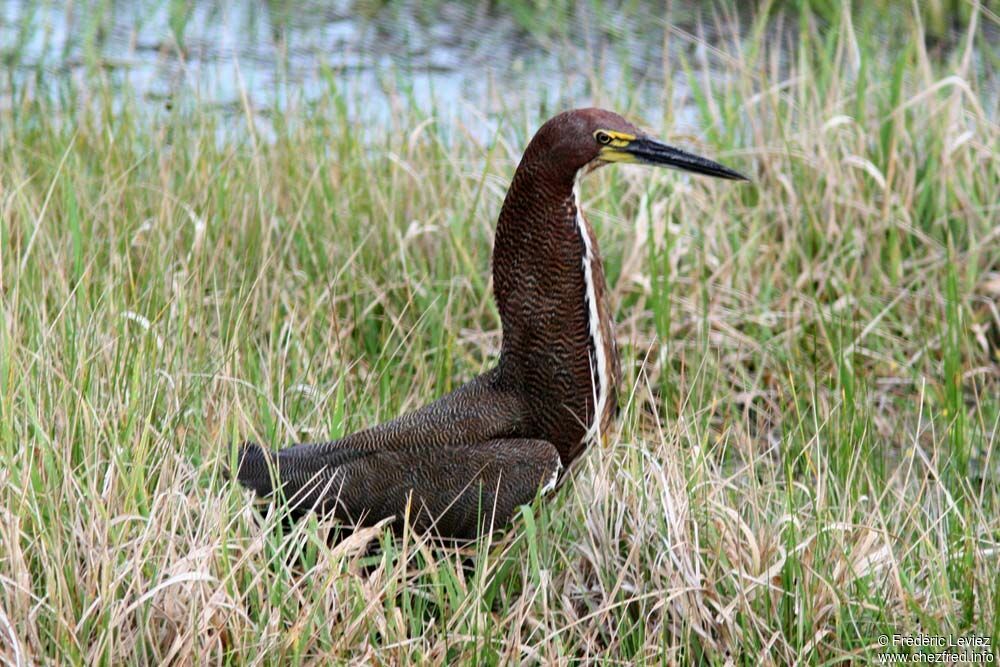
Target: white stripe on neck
column 599, row 375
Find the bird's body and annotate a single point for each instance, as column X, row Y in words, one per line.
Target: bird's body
column 467, row 460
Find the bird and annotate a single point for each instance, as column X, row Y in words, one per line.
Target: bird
column 464, row 463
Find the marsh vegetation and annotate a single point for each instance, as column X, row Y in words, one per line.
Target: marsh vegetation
column 807, row 454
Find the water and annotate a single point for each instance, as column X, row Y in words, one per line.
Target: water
column 462, row 59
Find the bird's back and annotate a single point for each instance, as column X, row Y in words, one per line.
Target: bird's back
column 463, row 460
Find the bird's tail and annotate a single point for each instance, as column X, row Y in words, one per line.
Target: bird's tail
column 299, row 473
column 255, row 468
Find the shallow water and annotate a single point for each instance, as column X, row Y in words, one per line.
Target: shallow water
column 462, row 59
column 465, row 60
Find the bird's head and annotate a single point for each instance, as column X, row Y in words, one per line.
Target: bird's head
column 584, row 139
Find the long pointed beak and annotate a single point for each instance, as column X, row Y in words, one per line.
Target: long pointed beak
column 650, row 151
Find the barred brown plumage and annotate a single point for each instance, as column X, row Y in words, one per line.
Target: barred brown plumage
column 467, row 460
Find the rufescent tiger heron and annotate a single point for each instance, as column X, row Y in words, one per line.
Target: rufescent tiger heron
column 465, row 462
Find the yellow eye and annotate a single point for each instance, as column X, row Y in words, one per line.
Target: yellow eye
column 602, row 137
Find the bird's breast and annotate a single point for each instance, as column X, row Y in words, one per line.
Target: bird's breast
column 600, row 328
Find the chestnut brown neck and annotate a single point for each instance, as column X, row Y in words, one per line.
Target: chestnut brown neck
column 544, row 291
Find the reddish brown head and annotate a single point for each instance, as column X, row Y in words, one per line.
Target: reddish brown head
column 586, row 138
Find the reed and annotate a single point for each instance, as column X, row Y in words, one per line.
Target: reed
column 807, row 453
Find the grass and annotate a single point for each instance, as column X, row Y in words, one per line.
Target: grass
column 807, row 456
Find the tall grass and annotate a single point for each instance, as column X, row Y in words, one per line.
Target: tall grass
column 807, row 453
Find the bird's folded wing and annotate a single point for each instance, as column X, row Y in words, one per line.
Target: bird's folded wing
column 453, row 490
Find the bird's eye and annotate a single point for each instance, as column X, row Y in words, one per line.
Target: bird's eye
column 602, row 138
